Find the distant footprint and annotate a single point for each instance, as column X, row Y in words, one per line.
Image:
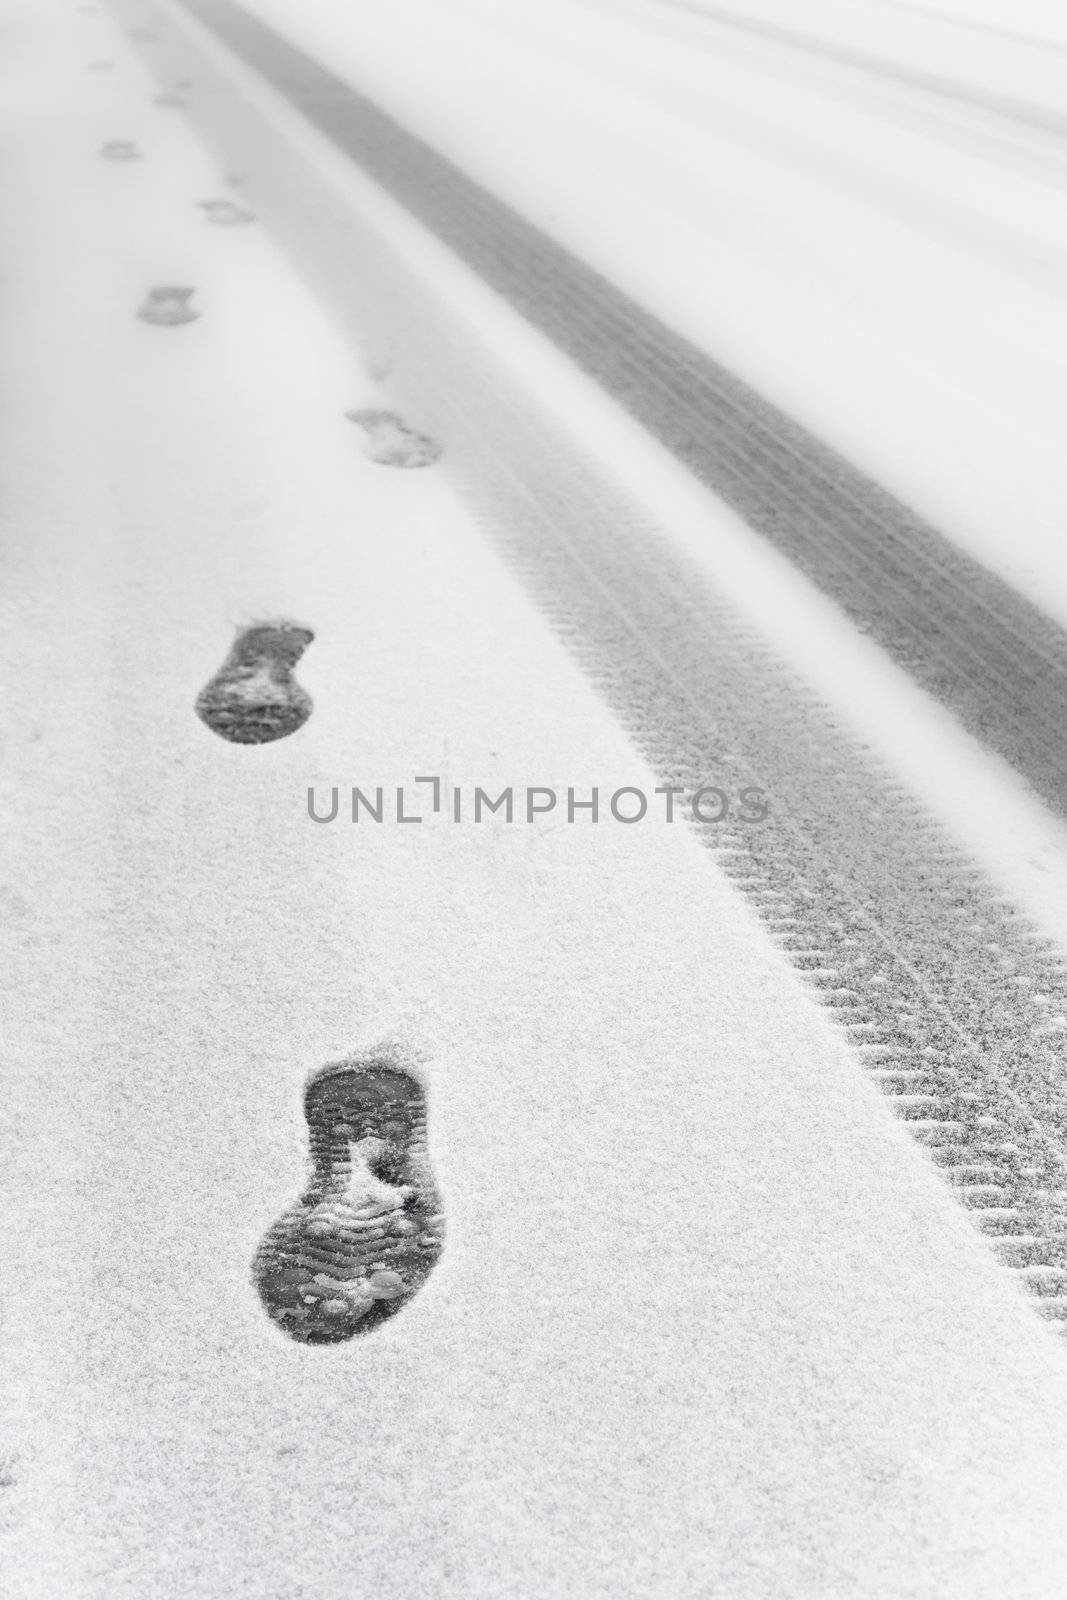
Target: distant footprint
column 225, row 213
column 391, row 443
column 368, row 1229
column 254, row 698
column 168, row 307
column 120, row 150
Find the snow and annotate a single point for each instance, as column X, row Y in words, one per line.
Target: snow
column 707, row 1321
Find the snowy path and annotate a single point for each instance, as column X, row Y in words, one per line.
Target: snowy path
column 709, row 1321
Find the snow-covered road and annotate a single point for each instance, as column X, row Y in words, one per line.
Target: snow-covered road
column 709, row 1320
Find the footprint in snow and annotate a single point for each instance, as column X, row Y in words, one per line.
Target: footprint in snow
column 389, row 441
column 168, row 307
column 225, row 213
column 120, row 150
column 368, row 1230
column 254, row 698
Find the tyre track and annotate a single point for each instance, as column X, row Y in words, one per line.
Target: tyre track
column 933, row 979
column 992, row 657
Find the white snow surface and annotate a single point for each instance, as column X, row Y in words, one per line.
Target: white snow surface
column 707, row 1323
